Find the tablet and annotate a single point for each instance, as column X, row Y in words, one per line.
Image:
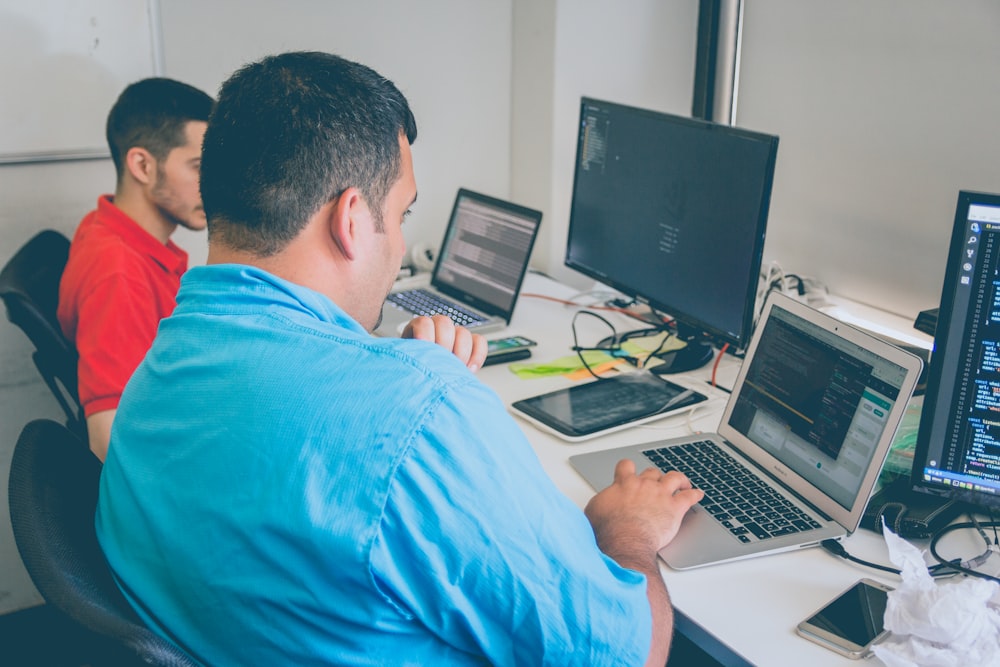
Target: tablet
column 610, row 404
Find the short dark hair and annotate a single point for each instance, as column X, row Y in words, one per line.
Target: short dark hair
column 153, row 114
column 289, row 134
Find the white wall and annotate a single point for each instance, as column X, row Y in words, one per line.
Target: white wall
column 451, row 58
column 638, row 52
column 885, row 109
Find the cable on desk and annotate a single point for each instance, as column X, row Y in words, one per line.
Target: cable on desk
column 967, row 567
column 615, row 309
column 665, row 320
column 942, row 569
column 566, row 302
column 837, row 549
column 610, row 345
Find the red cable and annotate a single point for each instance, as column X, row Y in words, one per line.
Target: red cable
column 718, row 358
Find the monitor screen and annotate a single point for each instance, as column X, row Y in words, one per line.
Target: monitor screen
column 672, row 211
column 958, row 443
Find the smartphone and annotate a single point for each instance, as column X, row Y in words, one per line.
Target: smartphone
column 508, row 344
column 852, row 623
column 511, row 348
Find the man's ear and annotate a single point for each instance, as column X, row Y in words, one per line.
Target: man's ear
column 141, row 165
column 346, row 220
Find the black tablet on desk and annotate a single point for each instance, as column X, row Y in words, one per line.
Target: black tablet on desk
column 606, row 405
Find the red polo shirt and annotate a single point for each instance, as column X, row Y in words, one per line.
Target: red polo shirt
column 119, row 283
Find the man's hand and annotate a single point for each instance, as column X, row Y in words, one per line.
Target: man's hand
column 640, row 513
column 633, row 519
column 467, row 346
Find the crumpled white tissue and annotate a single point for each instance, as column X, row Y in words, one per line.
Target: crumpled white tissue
column 946, row 623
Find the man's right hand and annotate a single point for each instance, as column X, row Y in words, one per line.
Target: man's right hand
column 639, row 514
column 633, row 519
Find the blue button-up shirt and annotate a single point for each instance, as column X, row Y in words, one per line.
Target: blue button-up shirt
column 284, row 488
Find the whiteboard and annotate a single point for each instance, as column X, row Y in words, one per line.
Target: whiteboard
column 63, row 64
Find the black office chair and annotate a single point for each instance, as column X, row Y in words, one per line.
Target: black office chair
column 29, row 287
column 53, row 497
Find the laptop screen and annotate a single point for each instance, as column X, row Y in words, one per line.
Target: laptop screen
column 817, row 402
column 485, row 252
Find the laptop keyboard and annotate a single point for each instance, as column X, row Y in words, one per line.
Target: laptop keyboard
column 421, row 302
column 735, row 496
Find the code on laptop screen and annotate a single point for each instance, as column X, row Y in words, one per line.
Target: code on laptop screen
column 817, row 402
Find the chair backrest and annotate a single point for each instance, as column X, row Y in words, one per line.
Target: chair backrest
column 29, row 287
column 53, row 497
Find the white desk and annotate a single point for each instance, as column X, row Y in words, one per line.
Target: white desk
column 752, row 605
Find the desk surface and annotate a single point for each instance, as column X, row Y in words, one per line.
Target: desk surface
column 751, row 605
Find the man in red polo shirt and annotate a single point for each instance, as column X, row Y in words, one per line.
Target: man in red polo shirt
column 124, row 271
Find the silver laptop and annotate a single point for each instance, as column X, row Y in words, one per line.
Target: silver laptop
column 479, row 269
column 800, row 445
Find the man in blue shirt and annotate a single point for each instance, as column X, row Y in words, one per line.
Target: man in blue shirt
column 284, row 488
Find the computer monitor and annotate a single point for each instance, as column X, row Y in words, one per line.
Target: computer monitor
column 672, row 211
column 958, row 444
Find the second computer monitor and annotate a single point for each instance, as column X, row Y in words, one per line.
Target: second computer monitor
column 672, row 211
column 958, row 444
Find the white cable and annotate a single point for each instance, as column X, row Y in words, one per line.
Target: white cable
column 422, row 256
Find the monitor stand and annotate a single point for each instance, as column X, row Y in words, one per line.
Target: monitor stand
column 697, row 353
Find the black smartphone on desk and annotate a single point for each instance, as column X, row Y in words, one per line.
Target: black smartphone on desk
column 853, row 622
column 511, row 348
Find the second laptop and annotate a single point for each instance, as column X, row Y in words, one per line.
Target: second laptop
column 479, row 270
